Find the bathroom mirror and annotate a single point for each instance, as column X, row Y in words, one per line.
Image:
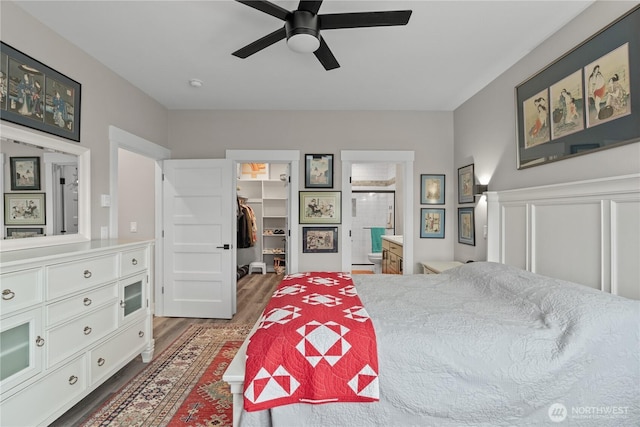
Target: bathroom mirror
column 58, row 191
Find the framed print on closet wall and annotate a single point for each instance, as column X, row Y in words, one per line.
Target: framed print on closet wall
column 318, row 171
column 321, row 207
column 37, row 96
column 25, row 173
column 466, row 226
column 432, row 189
column 319, row 239
column 465, row 184
column 257, row 171
column 24, row 209
column 431, row 223
column 587, row 100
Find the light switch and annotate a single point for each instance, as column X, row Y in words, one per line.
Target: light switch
column 105, row 200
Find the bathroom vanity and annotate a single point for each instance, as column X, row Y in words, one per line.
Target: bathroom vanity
column 392, row 247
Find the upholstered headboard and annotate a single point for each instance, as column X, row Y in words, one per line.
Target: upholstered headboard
column 586, row 232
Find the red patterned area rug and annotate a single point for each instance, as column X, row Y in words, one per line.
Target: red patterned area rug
column 183, row 386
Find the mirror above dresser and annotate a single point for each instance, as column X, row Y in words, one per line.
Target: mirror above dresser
column 50, row 205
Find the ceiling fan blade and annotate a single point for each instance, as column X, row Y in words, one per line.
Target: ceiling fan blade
column 267, row 7
column 333, row 21
column 310, row 6
column 261, row 43
column 326, row 58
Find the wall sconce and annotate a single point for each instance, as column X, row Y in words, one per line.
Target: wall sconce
column 478, row 189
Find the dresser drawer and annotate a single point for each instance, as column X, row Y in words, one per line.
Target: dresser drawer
column 63, row 279
column 34, row 405
column 133, row 261
column 80, row 304
column 20, row 289
column 71, row 337
column 118, row 350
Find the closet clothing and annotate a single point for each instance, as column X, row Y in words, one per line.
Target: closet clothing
column 247, row 226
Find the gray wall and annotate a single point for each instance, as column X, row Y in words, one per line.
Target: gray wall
column 136, row 172
column 194, row 134
column 106, row 98
column 485, row 132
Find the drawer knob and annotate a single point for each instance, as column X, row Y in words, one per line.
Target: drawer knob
column 73, row 379
column 101, row 361
column 122, row 304
column 134, row 261
column 87, row 301
column 8, row 294
column 87, row 274
column 87, row 330
column 141, row 334
column 39, row 341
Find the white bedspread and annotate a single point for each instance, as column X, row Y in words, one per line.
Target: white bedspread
column 490, row 345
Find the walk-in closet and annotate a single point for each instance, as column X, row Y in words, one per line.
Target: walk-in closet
column 263, row 205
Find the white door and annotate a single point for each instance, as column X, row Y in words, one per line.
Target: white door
column 198, row 210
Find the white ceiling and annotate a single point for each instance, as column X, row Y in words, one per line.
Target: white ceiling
column 447, row 52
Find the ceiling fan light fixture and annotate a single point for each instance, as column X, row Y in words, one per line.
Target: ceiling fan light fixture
column 303, row 43
column 302, row 27
column 303, row 32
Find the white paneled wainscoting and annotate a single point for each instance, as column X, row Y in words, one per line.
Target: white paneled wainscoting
column 586, row 232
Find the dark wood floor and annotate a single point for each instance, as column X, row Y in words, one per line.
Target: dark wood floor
column 253, row 293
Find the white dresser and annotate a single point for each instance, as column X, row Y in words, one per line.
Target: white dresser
column 70, row 317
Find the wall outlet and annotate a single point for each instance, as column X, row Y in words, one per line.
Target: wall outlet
column 104, row 233
column 133, row 227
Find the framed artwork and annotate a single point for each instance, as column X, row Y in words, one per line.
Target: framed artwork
column 320, row 207
column 25, row 173
column 24, row 209
column 465, row 184
column 318, row 171
column 21, row 233
column 37, row 96
column 257, row 171
column 587, row 100
column 466, row 226
column 432, row 189
column 431, row 223
column 319, row 239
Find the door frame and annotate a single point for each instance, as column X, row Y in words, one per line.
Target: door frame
column 406, row 158
column 291, row 157
column 119, row 138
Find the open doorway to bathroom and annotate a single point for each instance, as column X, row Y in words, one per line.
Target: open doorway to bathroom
column 370, row 212
column 373, row 213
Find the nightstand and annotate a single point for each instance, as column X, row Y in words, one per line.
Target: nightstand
column 437, row 267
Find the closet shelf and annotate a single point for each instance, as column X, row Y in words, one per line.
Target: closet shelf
column 273, row 252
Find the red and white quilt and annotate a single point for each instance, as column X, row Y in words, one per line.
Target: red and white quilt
column 315, row 343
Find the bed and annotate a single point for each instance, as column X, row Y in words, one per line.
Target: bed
column 512, row 342
column 489, row 344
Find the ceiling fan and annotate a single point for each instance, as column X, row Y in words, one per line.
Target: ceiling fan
column 302, row 27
